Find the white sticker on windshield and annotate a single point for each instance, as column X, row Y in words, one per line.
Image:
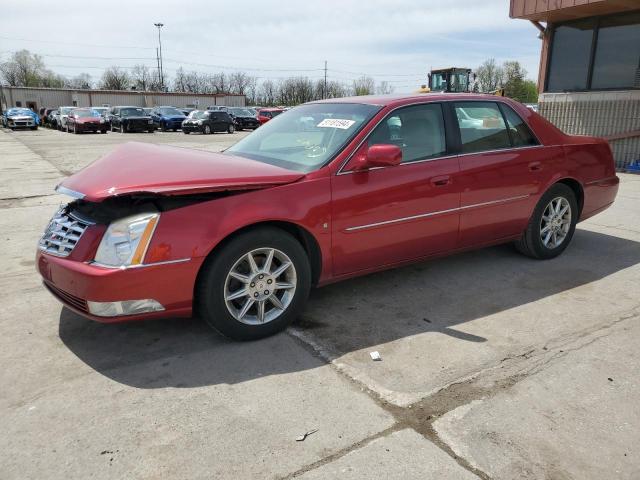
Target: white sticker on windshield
column 336, row 123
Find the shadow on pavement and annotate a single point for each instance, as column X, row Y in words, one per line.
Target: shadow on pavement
column 427, row 298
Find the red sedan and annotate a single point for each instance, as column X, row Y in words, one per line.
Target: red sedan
column 85, row 120
column 326, row 191
column 266, row 114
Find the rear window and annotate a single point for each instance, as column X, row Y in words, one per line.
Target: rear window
column 521, row 135
column 482, row 127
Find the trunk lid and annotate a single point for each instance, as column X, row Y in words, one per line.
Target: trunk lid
column 145, row 168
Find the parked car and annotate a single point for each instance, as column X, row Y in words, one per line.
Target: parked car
column 221, row 108
column 50, row 120
column 61, row 119
column 20, row 118
column 208, row 121
column 130, row 119
column 241, row 236
column 167, row 118
column 266, row 114
column 243, row 119
column 86, row 120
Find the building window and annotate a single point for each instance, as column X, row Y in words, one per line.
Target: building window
column 617, row 56
column 595, row 54
column 569, row 63
column 18, row 103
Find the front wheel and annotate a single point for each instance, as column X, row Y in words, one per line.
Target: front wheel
column 121, row 128
column 255, row 285
column 231, row 129
column 207, row 130
column 552, row 224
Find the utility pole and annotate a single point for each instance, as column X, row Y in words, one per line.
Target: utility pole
column 160, row 25
column 158, row 59
column 324, row 90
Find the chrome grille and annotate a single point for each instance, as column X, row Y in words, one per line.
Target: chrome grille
column 63, row 233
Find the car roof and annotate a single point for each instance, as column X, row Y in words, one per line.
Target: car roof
column 402, row 99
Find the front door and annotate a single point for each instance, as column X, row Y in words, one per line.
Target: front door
column 384, row 216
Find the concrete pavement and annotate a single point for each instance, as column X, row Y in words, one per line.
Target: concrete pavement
column 493, row 365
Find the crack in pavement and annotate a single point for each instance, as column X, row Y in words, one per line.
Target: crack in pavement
column 483, row 384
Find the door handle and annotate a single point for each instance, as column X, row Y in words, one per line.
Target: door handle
column 535, row 166
column 441, row 180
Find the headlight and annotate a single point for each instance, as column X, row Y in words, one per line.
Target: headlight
column 199, row 122
column 126, row 240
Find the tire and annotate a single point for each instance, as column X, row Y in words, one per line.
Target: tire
column 122, row 130
column 231, row 129
column 532, row 242
column 214, row 281
column 207, row 130
column 186, row 132
column 163, row 127
column 75, row 129
column 34, row 128
column 151, row 130
column 67, row 128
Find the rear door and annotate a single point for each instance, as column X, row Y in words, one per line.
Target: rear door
column 384, row 216
column 502, row 168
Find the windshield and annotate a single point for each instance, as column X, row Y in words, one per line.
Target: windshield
column 171, row 111
column 241, row 112
column 65, row 110
column 198, row 114
column 132, row 112
column 86, row 112
column 306, row 137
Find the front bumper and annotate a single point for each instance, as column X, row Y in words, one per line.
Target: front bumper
column 21, row 123
column 75, row 283
column 92, row 127
column 191, row 128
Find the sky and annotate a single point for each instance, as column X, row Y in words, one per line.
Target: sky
column 397, row 41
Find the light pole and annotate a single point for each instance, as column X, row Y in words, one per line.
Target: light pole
column 160, row 25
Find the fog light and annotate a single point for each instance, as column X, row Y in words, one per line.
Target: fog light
column 126, row 307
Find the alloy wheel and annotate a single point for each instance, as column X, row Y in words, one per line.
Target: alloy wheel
column 260, row 286
column 555, row 222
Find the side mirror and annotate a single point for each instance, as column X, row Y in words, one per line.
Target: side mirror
column 381, row 155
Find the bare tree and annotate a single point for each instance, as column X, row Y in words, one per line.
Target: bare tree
column 141, row 77
column 238, row 82
column 268, row 92
column 23, row 69
column 489, row 76
column 115, row 78
column 252, row 90
column 220, row 82
column 384, row 88
column 363, row 86
column 81, row 81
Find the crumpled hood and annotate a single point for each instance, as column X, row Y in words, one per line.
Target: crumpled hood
column 146, row 168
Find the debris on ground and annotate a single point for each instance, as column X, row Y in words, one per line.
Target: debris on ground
column 375, row 356
column 302, row 437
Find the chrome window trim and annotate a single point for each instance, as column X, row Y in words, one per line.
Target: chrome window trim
column 142, row 265
column 69, row 192
column 431, row 214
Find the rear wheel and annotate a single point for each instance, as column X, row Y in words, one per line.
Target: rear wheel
column 231, row 129
column 75, row 129
column 255, row 285
column 207, row 130
column 122, row 128
column 552, row 224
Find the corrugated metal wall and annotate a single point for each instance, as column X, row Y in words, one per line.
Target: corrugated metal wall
column 49, row 97
column 599, row 114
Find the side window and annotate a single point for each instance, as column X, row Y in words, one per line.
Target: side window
column 482, row 127
column 418, row 130
column 520, row 134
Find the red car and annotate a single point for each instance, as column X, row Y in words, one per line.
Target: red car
column 328, row 191
column 86, row 120
column 266, row 114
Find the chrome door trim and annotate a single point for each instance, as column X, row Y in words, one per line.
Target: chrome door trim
column 431, row 214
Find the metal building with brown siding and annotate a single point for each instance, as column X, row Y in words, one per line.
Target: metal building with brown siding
column 589, row 77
